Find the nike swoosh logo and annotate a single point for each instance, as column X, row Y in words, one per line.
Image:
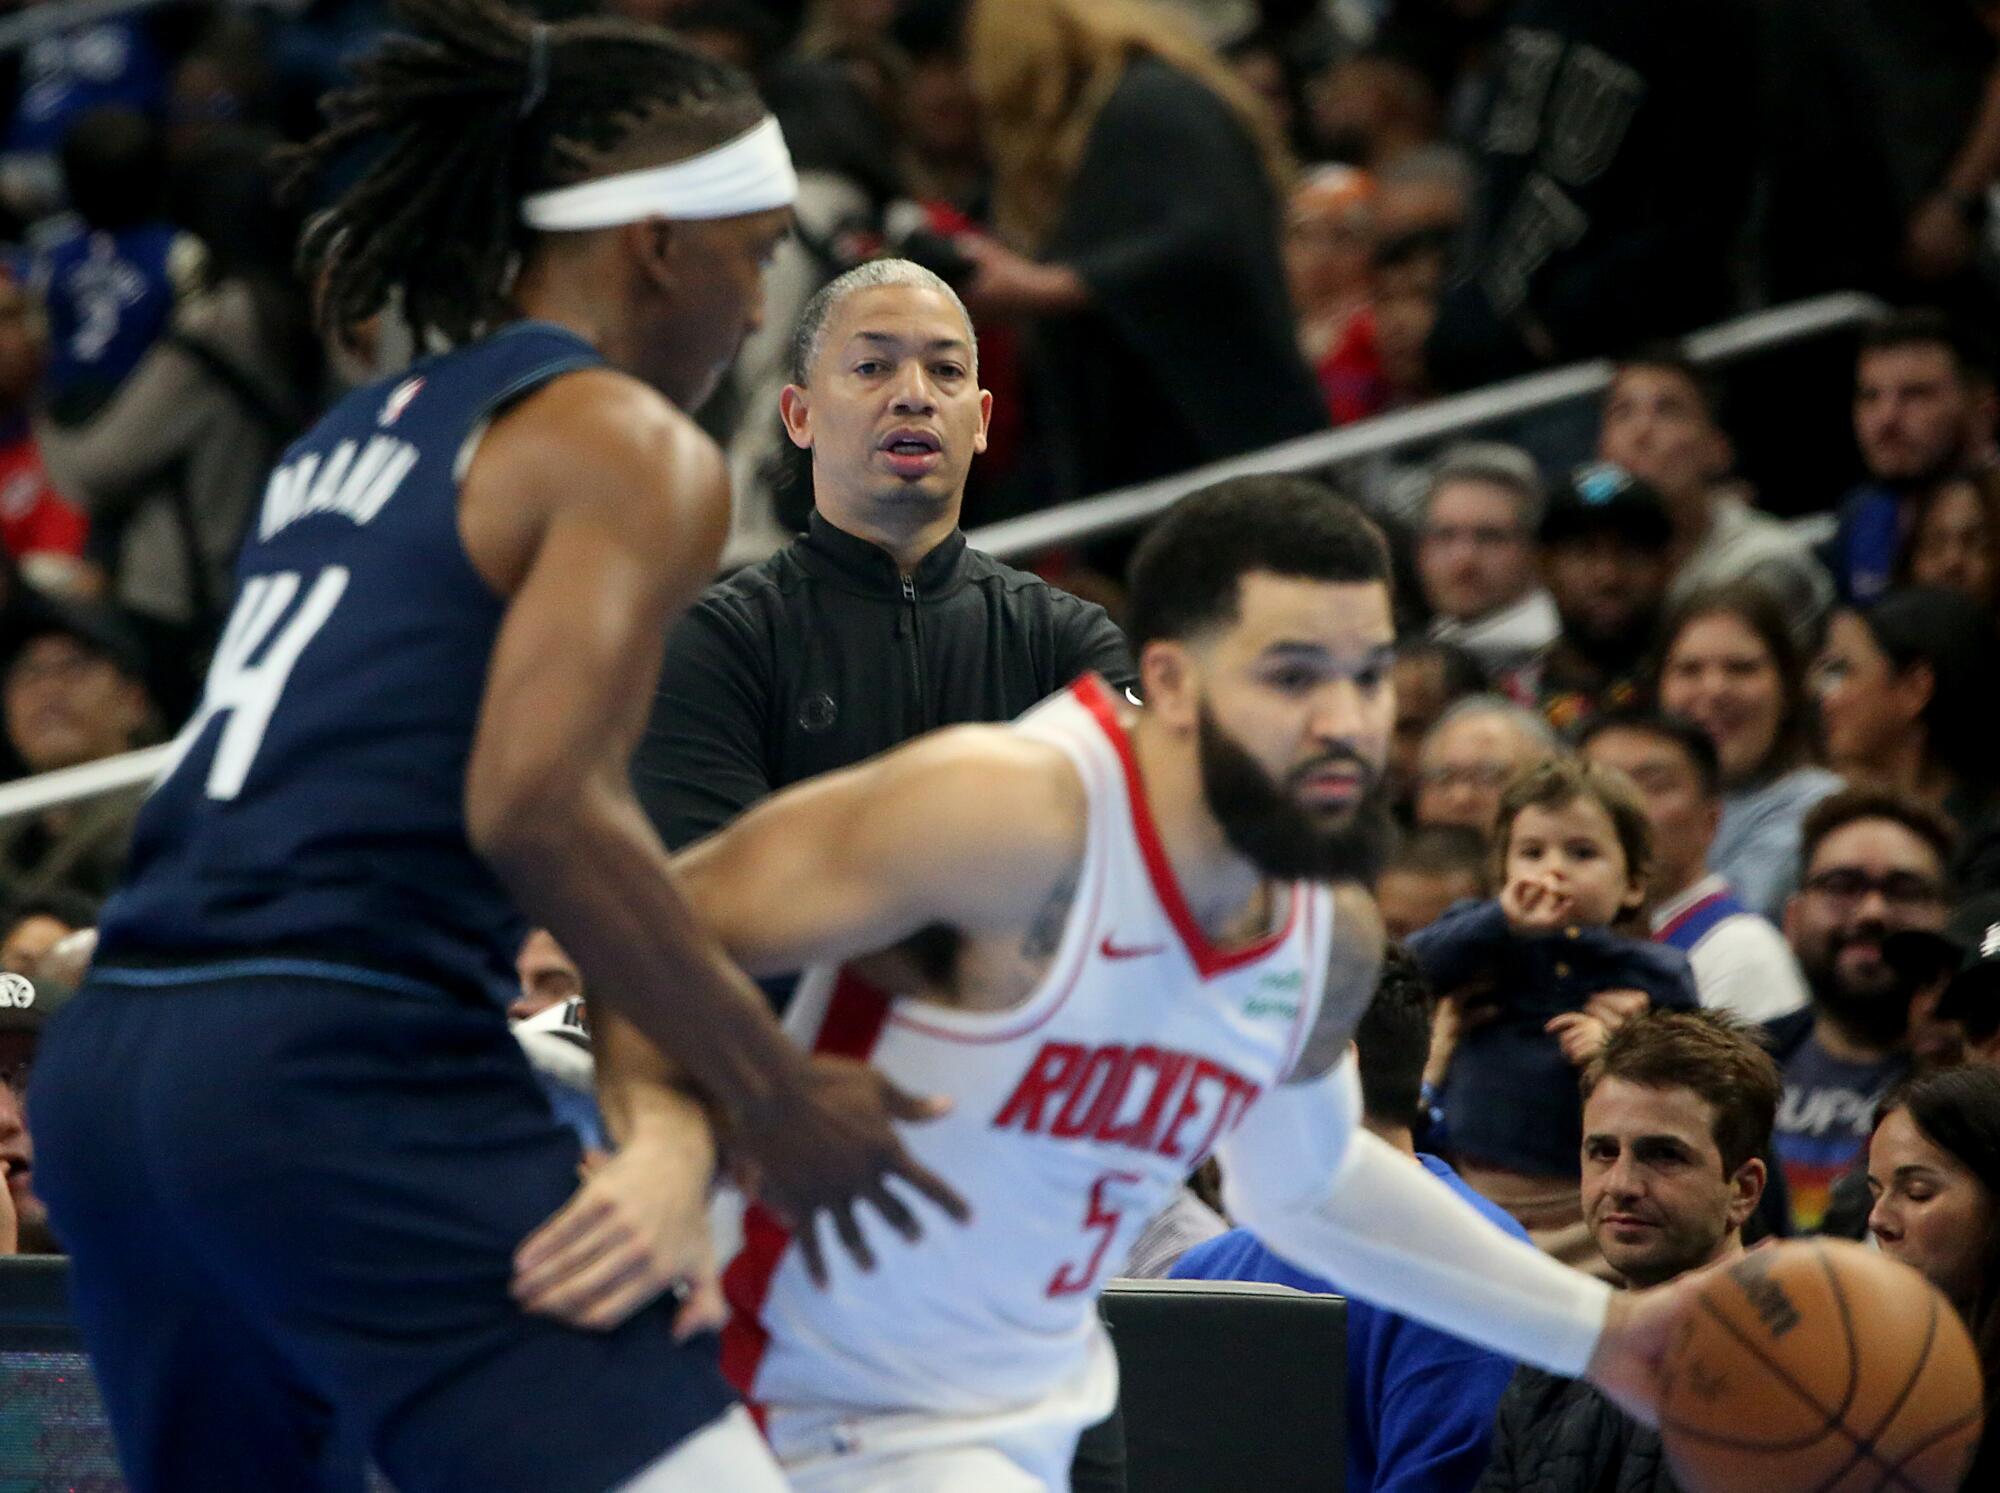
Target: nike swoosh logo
column 1111, row 950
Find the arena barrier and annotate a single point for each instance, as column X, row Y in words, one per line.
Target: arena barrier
column 1211, row 1371
column 1110, row 512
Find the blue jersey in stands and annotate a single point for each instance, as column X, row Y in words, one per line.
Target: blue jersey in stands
column 316, row 811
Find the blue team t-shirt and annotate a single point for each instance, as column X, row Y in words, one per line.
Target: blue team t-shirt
column 1420, row 1402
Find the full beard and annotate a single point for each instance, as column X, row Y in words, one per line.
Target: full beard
column 1878, row 1014
column 1279, row 836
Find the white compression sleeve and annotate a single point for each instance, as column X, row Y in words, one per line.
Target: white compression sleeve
column 1302, row 1175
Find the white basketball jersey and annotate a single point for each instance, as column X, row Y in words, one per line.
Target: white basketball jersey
column 1075, row 1117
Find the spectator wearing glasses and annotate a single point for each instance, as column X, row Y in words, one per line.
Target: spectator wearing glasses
column 1476, row 557
column 1731, row 664
column 1874, row 864
column 1481, row 745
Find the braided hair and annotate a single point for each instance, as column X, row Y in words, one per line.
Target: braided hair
column 464, row 110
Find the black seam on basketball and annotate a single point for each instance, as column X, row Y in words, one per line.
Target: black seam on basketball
column 1779, row 1373
column 1820, row 1254
column 1971, row 1417
column 1872, row 1437
column 1714, row 1438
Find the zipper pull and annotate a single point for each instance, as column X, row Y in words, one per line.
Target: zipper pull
column 910, row 590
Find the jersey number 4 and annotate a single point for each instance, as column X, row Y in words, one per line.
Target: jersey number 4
column 1102, row 1220
column 245, row 694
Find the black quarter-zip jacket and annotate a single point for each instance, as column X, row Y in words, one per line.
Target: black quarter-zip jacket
column 826, row 654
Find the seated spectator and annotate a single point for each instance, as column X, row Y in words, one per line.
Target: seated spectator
column 1924, row 411
column 1481, row 745
column 1329, row 241
column 1954, row 540
column 35, row 926
column 1429, row 677
column 1430, row 869
column 1873, row 865
column 1410, row 272
column 1604, row 559
column 1544, row 973
column 1957, row 976
column 1660, row 423
column 1905, row 700
column 109, row 287
column 1419, row 1401
column 39, row 528
column 1731, row 664
column 1476, row 557
column 24, row 1221
column 74, row 691
column 1741, row 963
column 1677, row 1112
column 1934, row 1175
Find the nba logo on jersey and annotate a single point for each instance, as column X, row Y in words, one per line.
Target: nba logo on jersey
column 399, row 400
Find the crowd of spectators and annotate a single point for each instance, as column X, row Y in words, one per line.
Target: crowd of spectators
column 1700, row 840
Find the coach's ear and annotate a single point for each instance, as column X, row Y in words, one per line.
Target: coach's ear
column 1167, row 679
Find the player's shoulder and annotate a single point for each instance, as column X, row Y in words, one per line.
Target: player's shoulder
column 597, row 432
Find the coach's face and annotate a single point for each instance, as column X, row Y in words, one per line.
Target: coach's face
column 1655, row 1193
column 894, row 413
column 1296, row 712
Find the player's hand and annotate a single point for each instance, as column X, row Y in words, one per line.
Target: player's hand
column 828, row 1145
column 638, row 1226
column 1638, row 1330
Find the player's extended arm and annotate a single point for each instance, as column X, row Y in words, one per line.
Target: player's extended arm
column 1302, row 1174
column 599, row 511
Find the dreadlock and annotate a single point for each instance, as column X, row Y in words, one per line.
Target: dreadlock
column 464, row 119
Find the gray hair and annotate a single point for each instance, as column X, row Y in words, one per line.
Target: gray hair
column 1503, row 466
column 873, row 275
column 1529, row 723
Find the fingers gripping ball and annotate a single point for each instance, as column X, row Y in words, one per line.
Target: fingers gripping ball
column 1820, row 1367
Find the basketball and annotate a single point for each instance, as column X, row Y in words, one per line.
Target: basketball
column 1820, row 1367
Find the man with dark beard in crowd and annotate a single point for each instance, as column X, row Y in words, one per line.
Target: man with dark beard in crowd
column 1872, row 864
column 1604, row 559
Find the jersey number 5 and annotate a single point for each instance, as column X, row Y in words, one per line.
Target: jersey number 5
column 247, row 693
column 1101, row 1219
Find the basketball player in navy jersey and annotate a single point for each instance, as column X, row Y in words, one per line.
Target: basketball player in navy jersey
column 286, row 1135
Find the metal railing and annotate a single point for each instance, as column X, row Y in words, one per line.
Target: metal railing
column 1109, row 512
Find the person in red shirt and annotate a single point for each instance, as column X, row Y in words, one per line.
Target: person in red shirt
column 1329, row 244
column 38, row 526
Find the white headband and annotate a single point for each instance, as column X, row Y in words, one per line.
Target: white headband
column 749, row 174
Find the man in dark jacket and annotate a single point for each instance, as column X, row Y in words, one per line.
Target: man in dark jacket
column 879, row 623
column 1677, row 1115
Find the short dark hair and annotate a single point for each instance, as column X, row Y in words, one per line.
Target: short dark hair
column 1690, row 738
column 1851, row 805
column 1187, row 573
column 1670, row 357
column 1441, row 850
column 114, row 161
column 1708, row 1053
column 1926, row 326
column 1393, row 1041
column 1561, row 781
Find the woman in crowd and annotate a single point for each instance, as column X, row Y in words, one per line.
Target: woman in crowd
column 1955, row 540
column 1904, row 689
column 1730, row 663
column 1934, row 1175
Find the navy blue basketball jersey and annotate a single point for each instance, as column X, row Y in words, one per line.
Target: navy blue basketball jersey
column 316, row 806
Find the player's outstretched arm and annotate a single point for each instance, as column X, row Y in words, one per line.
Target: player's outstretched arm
column 1302, row 1174
column 598, row 511
column 971, row 827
